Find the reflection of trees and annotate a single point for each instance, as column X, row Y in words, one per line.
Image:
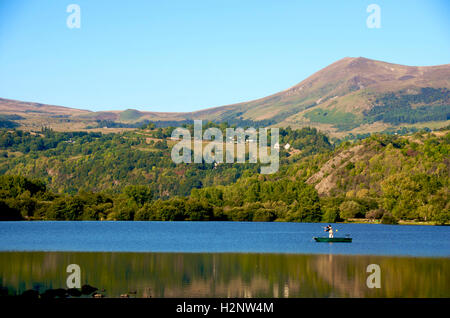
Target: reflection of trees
column 400, row 276
column 227, row 275
column 340, row 275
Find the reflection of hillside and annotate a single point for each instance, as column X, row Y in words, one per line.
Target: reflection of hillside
column 400, row 277
column 336, row 272
column 227, row 275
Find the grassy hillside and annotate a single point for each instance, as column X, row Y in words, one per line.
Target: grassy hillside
column 130, row 115
column 349, row 89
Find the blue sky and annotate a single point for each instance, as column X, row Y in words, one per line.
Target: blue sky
column 188, row 55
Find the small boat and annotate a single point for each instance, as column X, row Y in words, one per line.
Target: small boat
column 333, row 239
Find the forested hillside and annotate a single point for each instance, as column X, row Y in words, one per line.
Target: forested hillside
column 130, row 176
column 73, row 161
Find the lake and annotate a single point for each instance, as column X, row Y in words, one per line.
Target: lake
column 245, row 237
column 225, row 259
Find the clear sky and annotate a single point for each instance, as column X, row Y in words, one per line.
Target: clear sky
column 187, row 55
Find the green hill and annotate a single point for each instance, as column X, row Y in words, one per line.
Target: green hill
column 130, row 115
column 80, row 175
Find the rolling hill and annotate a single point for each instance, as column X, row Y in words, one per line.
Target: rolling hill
column 351, row 95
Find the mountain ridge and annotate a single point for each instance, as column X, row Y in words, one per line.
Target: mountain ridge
column 337, row 98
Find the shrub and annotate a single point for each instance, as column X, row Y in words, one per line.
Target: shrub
column 375, row 214
column 388, row 218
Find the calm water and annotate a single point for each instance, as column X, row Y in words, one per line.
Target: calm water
column 247, row 237
column 225, row 259
column 227, row 274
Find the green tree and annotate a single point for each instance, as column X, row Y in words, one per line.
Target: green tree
column 388, row 218
column 8, row 213
column 66, row 208
column 307, row 207
column 350, row 209
column 198, row 210
column 140, row 194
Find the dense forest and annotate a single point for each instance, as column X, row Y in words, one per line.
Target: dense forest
column 130, row 176
column 426, row 104
column 410, row 108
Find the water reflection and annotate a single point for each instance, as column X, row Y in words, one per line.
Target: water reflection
column 226, row 275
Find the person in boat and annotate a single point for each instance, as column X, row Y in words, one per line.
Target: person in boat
column 329, row 229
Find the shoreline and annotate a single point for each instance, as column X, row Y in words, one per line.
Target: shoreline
column 349, row 221
column 400, row 222
column 234, row 253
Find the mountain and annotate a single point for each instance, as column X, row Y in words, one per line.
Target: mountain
column 355, row 95
column 347, row 94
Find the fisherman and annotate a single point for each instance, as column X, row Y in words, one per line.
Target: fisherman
column 329, row 229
